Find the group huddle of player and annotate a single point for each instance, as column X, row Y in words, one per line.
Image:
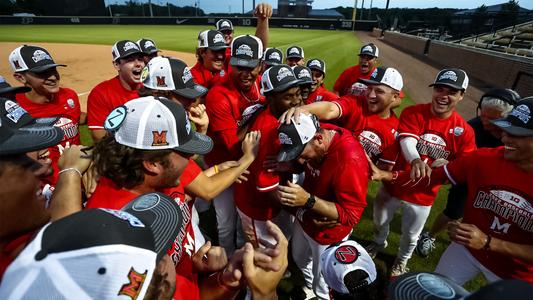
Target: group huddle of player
column 253, row 132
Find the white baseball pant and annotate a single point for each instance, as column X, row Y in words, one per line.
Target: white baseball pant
column 413, row 219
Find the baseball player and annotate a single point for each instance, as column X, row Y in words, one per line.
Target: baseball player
column 128, row 60
column 494, row 237
column 304, row 75
column 149, row 48
column 9, row 92
column 209, row 69
column 427, row 133
column 318, row 90
column 333, row 196
column 34, row 67
column 347, row 83
column 494, row 104
column 295, row 56
column 272, row 57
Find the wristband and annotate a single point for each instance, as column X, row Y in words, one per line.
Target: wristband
column 487, row 243
column 310, row 202
column 70, row 169
column 216, row 169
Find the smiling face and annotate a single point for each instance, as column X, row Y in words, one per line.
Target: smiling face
column 380, row 99
column 444, row 100
column 43, row 83
column 282, row 101
column 130, row 68
column 228, row 36
column 367, row 63
column 213, row 60
column 243, row 77
column 295, row 61
column 518, row 149
column 318, row 78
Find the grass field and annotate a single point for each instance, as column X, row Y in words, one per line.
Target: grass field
column 339, row 49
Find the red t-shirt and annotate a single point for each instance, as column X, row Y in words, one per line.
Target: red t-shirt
column 105, row 97
column 206, row 78
column 437, row 138
column 251, row 196
column 347, row 83
column 321, row 94
column 224, row 105
column 11, row 249
column 108, row 195
column 342, row 178
column 66, row 106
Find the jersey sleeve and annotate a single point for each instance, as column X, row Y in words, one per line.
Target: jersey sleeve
column 266, row 181
column 340, row 83
column 192, row 170
column 350, row 188
column 349, row 106
column 329, row 96
column 219, row 110
column 410, row 124
column 97, row 110
column 468, row 142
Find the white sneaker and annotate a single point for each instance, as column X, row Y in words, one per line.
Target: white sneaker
column 399, row 268
column 373, row 248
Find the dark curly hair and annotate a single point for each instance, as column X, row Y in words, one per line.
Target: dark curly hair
column 123, row 164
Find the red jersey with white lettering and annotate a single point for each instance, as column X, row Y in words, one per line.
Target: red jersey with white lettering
column 66, row 106
column 251, row 197
column 437, row 138
column 224, row 105
column 321, row 94
column 347, row 83
column 105, row 97
column 109, row 195
column 206, row 78
column 342, row 178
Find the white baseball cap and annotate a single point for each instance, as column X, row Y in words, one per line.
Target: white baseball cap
column 386, row 76
column 294, row 136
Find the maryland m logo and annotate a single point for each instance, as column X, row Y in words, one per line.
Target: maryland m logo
column 159, row 138
column 133, row 287
column 161, row 81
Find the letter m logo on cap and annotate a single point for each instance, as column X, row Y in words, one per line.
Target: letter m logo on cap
column 159, row 138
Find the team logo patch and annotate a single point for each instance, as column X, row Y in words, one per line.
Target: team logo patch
column 346, row 254
column 222, row 73
column 144, row 73
column 187, row 125
column 457, row 131
column 17, row 64
column 284, row 139
column 159, row 138
column 522, row 112
column 187, row 75
column 160, row 81
column 315, row 63
column 134, row 285
column 39, row 55
column 450, row 75
column 14, row 111
column 115, row 118
column 149, row 44
column 219, row 38
column 283, row 73
column 368, row 49
column 225, row 24
column 133, row 220
column 71, row 103
column 304, row 74
column 435, row 286
column 294, row 51
column 69, row 127
column 244, row 50
column 129, row 46
column 275, row 56
column 146, row 202
column 374, row 73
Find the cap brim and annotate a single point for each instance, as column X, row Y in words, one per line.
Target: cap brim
column 31, row 139
column 305, row 81
column 240, row 62
column 45, row 67
column 272, row 63
column 369, row 54
column 219, row 47
column 129, row 54
column 15, row 90
column 407, row 287
column 453, row 86
column 295, row 56
column 39, row 122
column 286, row 85
column 290, row 153
column 511, row 129
column 199, row 144
column 192, row 93
column 152, row 51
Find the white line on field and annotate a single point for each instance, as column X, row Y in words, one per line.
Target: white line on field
column 84, row 93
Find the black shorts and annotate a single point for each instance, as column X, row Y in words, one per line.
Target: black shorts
column 455, row 206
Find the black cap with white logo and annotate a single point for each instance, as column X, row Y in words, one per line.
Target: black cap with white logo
column 31, row 58
column 386, row 76
column 293, row 137
column 317, row 64
column 246, row 51
column 454, row 78
column 295, row 52
column 6, row 88
column 125, row 48
column 519, row 122
column 278, row 79
column 273, row 57
column 211, row 39
column 369, row 49
column 303, row 74
column 147, row 46
column 224, row 24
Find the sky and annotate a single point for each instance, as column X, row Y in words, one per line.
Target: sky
column 235, row 6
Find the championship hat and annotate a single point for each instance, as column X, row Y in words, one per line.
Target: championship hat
column 125, row 48
column 303, row 74
column 422, row 285
column 150, row 123
column 6, row 88
column 317, row 64
column 293, row 137
column 31, row 58
column 224, row 24
column 386, row 76
column 506, row 95
column 21, row 133
column 277, row 79
column 211, row 39
column 273, row 57
column 369, row 49
column 454, row 78
column 96, row 253
column 295, row 52
column 519, row 122
column 246, row 51
column 339, row 262
column 169, row 74
column 147, row 46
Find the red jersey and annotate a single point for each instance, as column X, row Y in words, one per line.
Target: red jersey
column 347, row 83
column 224, row 105
column 437, row 138
column 251, row 196
column 321, row 94
column 108, row 195
column 11, row 249
column 105, row 97
column 206, row 78
column 66, row 106
column 342, row 178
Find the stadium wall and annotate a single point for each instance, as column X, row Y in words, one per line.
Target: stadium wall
column 327, row 24
column 492, row 69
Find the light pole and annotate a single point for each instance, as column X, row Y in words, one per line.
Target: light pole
column 354, row 15
column 362, row 10
column 150, row 7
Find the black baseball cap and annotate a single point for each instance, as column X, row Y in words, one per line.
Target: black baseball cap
column 211, row 39
column 425, row 285
column 503, row 289
column 507, row 95
column 273, row 57
column 147, row 46
column 277, row 79
column 454, row 78
column 246, row 51
column 224, row 24
column 6, row 88
column 519, row 122
column 303, row 74
column 369, row 49
column 295, row 52
column 31, row 58
column 317, row 64
column 170, row 74
column 21, row 133
column 293, row 137
column 125, row 48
